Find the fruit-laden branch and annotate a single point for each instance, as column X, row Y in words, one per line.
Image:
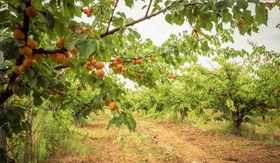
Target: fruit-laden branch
column 145, row 18
column 43, row 51
column 5, row 94
column 126, row 60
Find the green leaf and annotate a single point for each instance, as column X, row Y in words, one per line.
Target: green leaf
column 37, row 100
column 248, row 18
column 118, row 121
column 86, row 48
column 20, row 91
column 70, row 42
column 29, row 73
column 78, row 11
column 131, row 123
column 261, row 13
column 242, row 4
column 43, row 82
column 129, row 3
column 205, row 46
column 32, row 82
column 168, row 18
column 8, row 47
column 60, row 31
column 5, row 16
column 48, row 19
column 226, row 17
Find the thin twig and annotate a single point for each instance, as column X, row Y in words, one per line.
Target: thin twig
column 112, row 14
column 43, row 51
column 135, row 22
column 135, row 58
column 148, row 9
column 32, row 31
column 195, row 31
column 145, row 18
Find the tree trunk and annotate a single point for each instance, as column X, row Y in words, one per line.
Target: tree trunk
column 3, row 144
column 184, row 113
column 240, row 115
column 238, row 123
column 3, row 140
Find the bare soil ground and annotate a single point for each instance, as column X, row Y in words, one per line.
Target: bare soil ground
column 168, row 142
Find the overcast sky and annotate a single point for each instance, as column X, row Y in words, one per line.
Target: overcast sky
column 158, row 30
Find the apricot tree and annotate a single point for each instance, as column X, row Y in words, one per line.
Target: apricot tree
column 42, row 40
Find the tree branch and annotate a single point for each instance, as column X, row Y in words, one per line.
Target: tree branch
column 136, row 58
column 111, row 17
column 135, row 22
column 61, row 67
column 43, row 51
column 145, row 18
column 148, row 9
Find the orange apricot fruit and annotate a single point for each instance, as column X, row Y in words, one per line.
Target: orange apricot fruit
column 27, row 62
column 139, row 61
column 32, row 44
column 60, row 58
column 134, row 61
column 26, row 51
column 90, row 67
column 100, row 73
column 60, row 42
column 78, row 27
column 31, row 11
column 118, row 58
column 99, row 65
column 112, row 106
column 123, row 71
column 18, row 34
column 119, row 67
column 22, row 68
column 16, row 70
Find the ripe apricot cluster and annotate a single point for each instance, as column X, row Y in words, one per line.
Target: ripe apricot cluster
column 136, row 61
column 26, row 50
column 61, row 57
column 117, row 66
column 92, row 64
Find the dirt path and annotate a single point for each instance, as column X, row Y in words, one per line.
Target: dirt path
column 169, row 142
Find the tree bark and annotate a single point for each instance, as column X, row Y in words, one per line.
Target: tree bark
column 3, row 140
